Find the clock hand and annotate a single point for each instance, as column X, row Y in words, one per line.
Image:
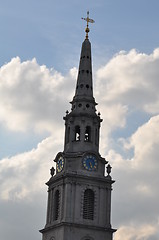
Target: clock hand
column 90, row 164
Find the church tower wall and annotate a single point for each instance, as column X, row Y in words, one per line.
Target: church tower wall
column 79, row 194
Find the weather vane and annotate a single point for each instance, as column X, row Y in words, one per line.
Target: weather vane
column 87, row 19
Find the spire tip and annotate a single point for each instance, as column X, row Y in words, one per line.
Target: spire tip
column 88, row 20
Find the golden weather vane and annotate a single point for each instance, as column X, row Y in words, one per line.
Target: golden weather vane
column 88, row 20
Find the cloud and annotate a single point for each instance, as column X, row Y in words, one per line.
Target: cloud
column 23, row 192
column 137, row 232
column 137, row 203
column 34, row 98
column 131, row 78
column 127, row 87
column 26, row 173
column 127, row 92
column 29, row 94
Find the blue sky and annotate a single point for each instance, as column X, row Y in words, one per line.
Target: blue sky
column 52, row 31
column 40, row 46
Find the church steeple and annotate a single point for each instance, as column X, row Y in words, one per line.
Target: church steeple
column 82, row 123
column 84, row 85
column 79, row 193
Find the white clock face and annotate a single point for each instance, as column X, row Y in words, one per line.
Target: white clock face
column 60, row 164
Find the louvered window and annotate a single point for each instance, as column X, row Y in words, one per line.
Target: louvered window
column 88, row 204
column 56, row 205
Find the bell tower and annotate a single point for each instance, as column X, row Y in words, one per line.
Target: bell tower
column 79, row 194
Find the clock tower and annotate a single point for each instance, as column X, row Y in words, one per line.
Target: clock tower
column 79, row 194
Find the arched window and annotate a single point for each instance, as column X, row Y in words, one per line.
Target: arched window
column 77, row 133
column 56, row 205
column 88, row 134
column 88, row 204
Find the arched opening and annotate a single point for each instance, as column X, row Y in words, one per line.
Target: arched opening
column 56, row 205
column 88, row 204
column 87, row 137
column 77, row 133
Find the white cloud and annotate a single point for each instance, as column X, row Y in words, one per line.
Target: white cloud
column 131, row 78
column 26, row 173
column 29, row 94
column 23, row 193
column 136, row 194
column 114, row 117
column 146, row 145
column 129, row 83
column 33, row 97
column 137, row 232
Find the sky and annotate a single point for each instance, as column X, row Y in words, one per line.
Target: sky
column 40, row 44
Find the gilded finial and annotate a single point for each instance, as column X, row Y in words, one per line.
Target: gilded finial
column 87, row 19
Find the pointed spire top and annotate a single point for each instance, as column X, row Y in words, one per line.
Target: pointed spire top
column 87, row 19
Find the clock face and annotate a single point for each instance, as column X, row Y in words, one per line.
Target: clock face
column 90, row 163
column 60, row 164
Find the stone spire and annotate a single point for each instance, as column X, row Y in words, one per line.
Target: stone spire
column 82, row 123
column 84, row 87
